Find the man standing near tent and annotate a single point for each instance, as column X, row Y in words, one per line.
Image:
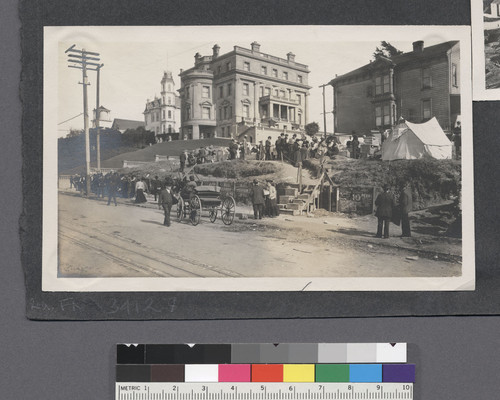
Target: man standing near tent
column 384, row 203
column 405, row 204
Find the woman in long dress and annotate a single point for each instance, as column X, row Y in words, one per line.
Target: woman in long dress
column 140, row 188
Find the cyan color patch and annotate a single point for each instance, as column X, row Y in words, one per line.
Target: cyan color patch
column 365, row 372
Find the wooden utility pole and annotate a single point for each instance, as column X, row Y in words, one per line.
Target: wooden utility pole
column 81, row 59
column 324, row 110
column 97, row 116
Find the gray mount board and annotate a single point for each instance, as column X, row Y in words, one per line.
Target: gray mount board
column 208, row 305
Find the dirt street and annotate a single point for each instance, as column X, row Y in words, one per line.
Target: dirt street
column 96, row 240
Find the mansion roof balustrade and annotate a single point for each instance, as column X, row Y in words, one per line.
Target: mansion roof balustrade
column 278, row 99
column 271, row 58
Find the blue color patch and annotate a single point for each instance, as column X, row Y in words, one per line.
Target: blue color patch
column 365, row 372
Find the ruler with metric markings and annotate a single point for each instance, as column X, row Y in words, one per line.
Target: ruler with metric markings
column 262, row 391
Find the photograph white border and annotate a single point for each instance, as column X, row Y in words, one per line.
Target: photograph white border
column 50, row 281
column 479, row 60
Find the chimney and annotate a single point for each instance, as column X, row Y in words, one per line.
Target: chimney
column 197, row 57
column 255, row 46
column 216, row 49
column 418, row 46
column 290, row 57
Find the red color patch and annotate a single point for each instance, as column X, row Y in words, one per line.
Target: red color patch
column 267, row 372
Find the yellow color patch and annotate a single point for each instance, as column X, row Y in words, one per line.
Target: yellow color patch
column 298, row 373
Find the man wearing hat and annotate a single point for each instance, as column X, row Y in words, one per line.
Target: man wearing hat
column 165, row 200
column 273, row 210
column 268, row 148
column 384, row 203
column 257, row 197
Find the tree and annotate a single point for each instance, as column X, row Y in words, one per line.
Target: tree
column 312, row 128
column 138, row 137
column 74, row 133
column 386, row 50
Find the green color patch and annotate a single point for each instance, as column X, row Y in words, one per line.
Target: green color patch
column 332, row 372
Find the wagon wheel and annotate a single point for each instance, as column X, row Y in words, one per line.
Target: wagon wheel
column 195, row 210
column 180, row 209
column 228, row 208
column 213, row 214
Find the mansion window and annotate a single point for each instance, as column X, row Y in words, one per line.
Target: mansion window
column 187, row 92
column 267, row 91
column 454, row 74
column 169, row 100
column 299, row 78
column 220, row 112
column 163, row 99
column 246, row 89
column 246, row 111
column 261, row 91
column 170, row 129
column 225, row 112
column 285, row 75
column 188, row 112
column 246, row 66
column 205, row 112
column 383, row 115
column 426, row 78
column 229, row 89
column 299, row 98
column 205, row 92
column 282, row 93
column 263, row 70
column 426, row 109
column 228, row 66
column 221, row 92
column 169, row 114
column 382, row 84
column 219, row 69
column 275, row 73
column 163, row 114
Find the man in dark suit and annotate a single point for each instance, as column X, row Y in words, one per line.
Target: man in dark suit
column 257, row 196
column 406, row 205
column 113, row 183
column 384, row 203
column 165, row 200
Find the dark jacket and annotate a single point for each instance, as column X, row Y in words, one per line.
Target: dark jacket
column 257, row 194
column 406, row 201
column 114, row 182
column 384, row 203
column 165, row 197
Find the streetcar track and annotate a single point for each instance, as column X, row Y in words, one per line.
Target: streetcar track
column 120, row 261
column 165, row 253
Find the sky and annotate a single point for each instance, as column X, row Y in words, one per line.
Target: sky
column 135, row 58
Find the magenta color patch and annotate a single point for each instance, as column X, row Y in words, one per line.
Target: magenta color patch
column 234, row 372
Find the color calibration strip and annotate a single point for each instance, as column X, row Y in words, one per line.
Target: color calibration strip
column 264, row 363
column 293, row 373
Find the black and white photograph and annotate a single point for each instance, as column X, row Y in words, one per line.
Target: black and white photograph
column 258, row 158
column 486, row 49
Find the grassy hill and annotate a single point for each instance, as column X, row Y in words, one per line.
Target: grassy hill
column 174, row 148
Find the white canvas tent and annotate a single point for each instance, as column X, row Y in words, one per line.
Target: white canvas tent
column 409, row 141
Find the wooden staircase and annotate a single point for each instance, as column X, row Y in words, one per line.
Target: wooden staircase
column 295, row 203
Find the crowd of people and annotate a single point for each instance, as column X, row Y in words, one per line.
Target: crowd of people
column 291, row 148
column 264, row 198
